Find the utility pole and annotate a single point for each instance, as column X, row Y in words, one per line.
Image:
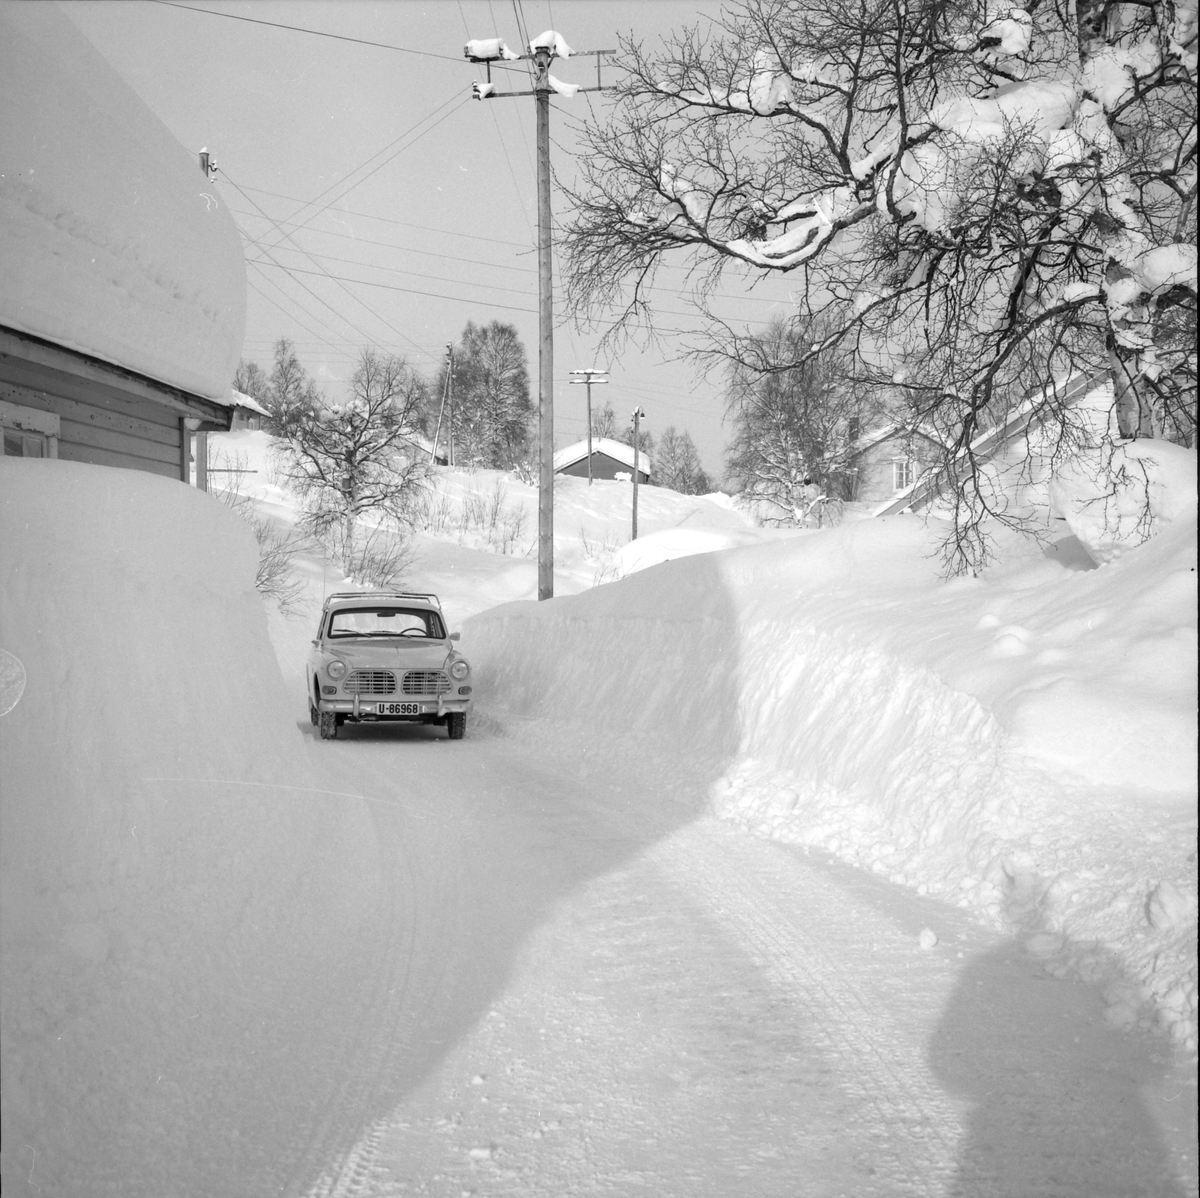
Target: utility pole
column 638, row 417
column 450, row 401
column 437, row 432
column 541, row 85
column 542, row 51
column 588, row 379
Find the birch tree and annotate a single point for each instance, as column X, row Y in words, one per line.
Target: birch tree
column 795, row 421
column 355, row 460
column 492, row 406
column 977, row 198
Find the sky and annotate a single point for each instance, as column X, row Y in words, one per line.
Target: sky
column 381, row 206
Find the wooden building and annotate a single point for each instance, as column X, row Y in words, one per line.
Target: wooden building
column 610, row 459
column 122, row 277
column 57, row 403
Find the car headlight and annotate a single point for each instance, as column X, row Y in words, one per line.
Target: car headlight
column 459, row 670
column 336, row 670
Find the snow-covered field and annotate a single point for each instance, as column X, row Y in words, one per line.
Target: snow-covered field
column 178, row 852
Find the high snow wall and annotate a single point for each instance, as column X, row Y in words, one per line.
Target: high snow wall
column 171, row 885
column 1022, row 745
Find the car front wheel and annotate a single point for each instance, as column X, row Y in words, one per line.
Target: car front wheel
column 328, row 725
column 456, row 724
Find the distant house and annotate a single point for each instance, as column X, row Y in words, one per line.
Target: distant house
column 122, row 280
column 887, row 461
column 246, row 412
column 1018, row 454
column 610, row 459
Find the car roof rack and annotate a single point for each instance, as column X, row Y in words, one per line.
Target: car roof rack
column 384, row 595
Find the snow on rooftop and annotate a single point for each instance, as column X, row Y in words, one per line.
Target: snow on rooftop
column 242, row 400
column 578, row 452
column 113, row 242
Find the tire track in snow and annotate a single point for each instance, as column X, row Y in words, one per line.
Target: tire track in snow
column 765, row 897
column 402, row 986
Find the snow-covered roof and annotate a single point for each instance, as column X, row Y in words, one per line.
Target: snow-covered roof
column 113, row 241
column 241, row 400
column 874, row 437
column 617, row 450
column 1078, row 388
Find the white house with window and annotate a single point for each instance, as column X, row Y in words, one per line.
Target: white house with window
column 886, row 461
column 1018, row 454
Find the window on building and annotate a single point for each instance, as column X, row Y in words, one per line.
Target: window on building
column 23, row 445
column 902, row 474
column 28, row 432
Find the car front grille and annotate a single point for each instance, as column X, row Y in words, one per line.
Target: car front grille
column 425, row 682
column 370, row 682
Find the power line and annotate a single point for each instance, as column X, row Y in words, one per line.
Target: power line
column 295, row 270
column 311, row 292
column 372, row 266
column 312, row 32
column 378, row 168
column 392, row 221
column 391, row 245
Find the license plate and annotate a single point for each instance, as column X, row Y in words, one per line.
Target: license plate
column 399, row 708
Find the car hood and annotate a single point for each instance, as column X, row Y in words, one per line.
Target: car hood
column 380, row 656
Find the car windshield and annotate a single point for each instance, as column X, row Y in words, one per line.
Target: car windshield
column 386, row 621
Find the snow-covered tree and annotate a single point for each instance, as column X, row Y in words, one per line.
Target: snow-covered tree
column 252, row 380
column 356, row 459
column 979, row 198
column 795, row 421
column 604, row 422
column 677, row 464
column 492, row 410
column 290, row 387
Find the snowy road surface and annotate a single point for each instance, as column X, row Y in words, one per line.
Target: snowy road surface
column 572, row 988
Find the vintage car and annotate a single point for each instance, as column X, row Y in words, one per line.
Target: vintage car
column 386, row 656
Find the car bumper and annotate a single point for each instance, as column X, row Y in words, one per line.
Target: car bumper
column 358, row 707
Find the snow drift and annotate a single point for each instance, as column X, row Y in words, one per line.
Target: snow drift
column 175, row 895
column 1022, row 745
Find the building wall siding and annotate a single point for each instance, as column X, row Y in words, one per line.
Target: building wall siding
column 98, row 427
column 875, row 480
column 602, row 467
column 107, row 418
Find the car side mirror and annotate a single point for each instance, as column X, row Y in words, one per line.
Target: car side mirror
column 455, row 636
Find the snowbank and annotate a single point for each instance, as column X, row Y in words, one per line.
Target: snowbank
column 112, row 241
column 1023, row 745
column 171, row 884
column 1118, row 496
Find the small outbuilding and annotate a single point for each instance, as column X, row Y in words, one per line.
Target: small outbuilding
column 122, row 279
column 610, row 459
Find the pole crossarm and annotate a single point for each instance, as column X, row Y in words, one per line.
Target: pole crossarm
column 543, row 57
column 478, row 94
column 590, row 379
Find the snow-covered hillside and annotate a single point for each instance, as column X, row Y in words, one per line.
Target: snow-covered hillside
column 186, row 871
